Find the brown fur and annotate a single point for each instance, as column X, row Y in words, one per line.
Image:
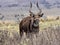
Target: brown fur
column 26, row 26
column 30, row 24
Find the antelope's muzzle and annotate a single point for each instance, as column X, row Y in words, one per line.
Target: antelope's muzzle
column 36, row 23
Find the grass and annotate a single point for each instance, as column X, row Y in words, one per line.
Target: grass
column 15, row 26
column 12, row 37
column 9, row 26
column 49, row 24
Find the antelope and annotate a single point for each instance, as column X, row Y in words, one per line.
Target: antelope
column 30, row 24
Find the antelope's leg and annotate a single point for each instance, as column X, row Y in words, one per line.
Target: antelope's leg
column 21, row 33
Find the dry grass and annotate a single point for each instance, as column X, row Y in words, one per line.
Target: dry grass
column 47, row 24
column 12, row 25
column 49, row 34
column 9, row 25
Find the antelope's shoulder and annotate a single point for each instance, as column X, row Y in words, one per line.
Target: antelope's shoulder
column 25, row 20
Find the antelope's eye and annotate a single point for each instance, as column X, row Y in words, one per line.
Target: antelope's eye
column 33, row 15
column 39, row 15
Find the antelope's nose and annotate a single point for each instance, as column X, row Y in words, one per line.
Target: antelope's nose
column 36, row 21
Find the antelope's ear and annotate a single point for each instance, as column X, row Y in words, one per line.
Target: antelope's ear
column 41, row 15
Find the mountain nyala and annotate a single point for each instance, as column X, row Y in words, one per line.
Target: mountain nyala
column 30, row 24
